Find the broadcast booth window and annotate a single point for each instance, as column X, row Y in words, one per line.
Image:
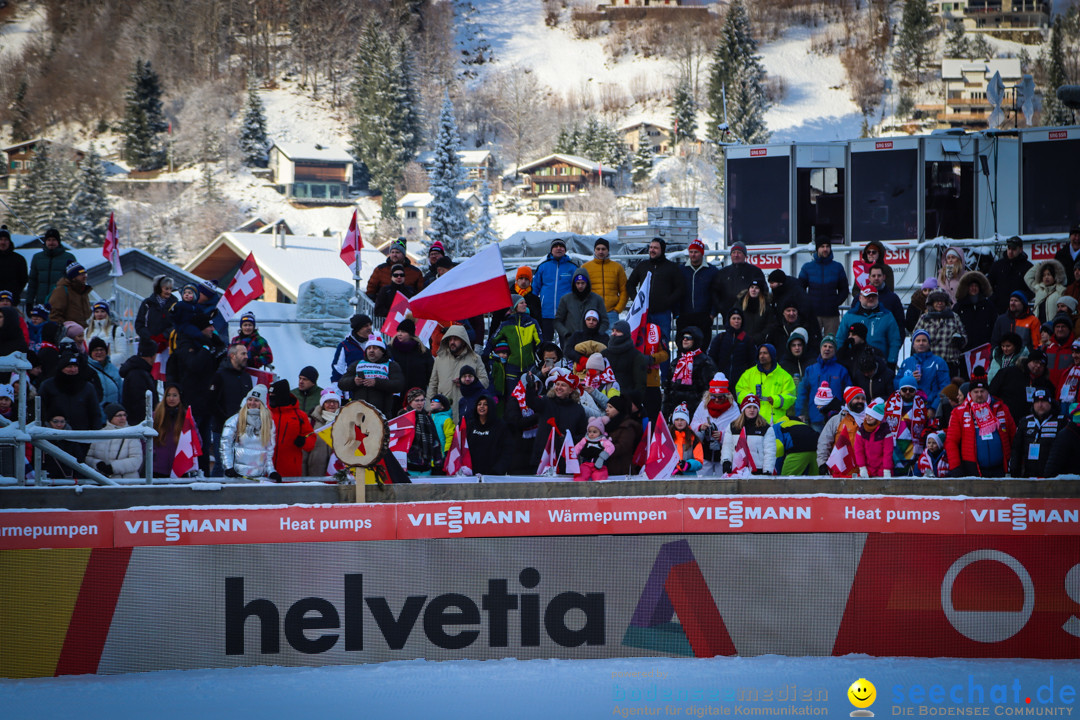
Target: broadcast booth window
column 1051, row 203
column 950, row 199
column 884, row 195
column 757, row 198
column 820, row 193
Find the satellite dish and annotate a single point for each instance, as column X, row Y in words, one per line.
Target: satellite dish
column 1025, row 98
column 995, row 93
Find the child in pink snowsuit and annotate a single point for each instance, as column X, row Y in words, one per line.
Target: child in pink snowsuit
column 593, row 451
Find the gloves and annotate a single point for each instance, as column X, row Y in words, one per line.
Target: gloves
column 863, row 472
column 599, row 462
column 229, row 472
column 682, row 467
column 727, row 467
column 886, row 473
column 275, row 476
column 466, row 472
column 299, row 441
column 823, row 470
column 104, row 468
column 759, row 471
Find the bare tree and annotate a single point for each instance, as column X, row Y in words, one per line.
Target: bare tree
column 518, row 108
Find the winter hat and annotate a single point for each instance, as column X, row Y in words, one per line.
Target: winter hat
column 1068, row 301
column 979, row 379
column 919, row 332
column 740, row 245
column 596, row 361
column 558, row 241
column 939, row 438
column 441, row 399
column 823, row 396
column 398, row 244
column 938, row 296
column 696, row 244
column 248, row 317
column 770, row 348
column 100, row 305
column 147, row 348
column 749, row 400
column 1075, row 344
column 51, row 233
column 412, row 394
column 208, row 288
column 822, row 240
column 524, row 272
column 859, row 329
column 41, row 311
column 68, row 357
column 777, row 276
column 930, row 284
column 397, row 267
column 73, row 329
column 190, row 286
column 719, row 384
column 564, row 376
column 466, row 370
column 7, row 391
column 1014, row 241
column 831, row 339
column 965, row 388
column 908, row 380
column 851, row 392
column 599, row 423
column 445, row 262
column 310, row 373
column 74, row 270
column 581, row 276
column 592, row 314
column 436, row 246
column 95, row 343
column 256, row 393
column 358, row 321
column 408, row 325
column 375, row 341
column 876, row 411
column 622, row 326
column 601, row 241
column 514, row 300
column 201, row 321
column 1063, row 319
column 621, row 404
column 280, row 396
column 329, row 394
column 954, row 252
column 798, row 334
column 1013, row 338
column 111, row 409
column 680, row 412
column 1021, row 295
column 501, row 346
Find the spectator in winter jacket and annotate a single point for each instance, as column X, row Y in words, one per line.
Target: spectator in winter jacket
column 70, row 299
column 1059, row 351
column 294, row 434
column 13, row 272
column 760, row 438
column 873, row 375
column 1016, row 385
column 487, row 438
column 948, row 276
column 351, row 348
column 1047, row 280
column 118, row 457
column 523, row 288
column 586, row 341
column 70, row 394
column 758, row 318
column 887, row 299
column 714, row 415
column 316, row 462
column 796, row 447
column 471, row 390
column 12, row 338
column 104, row 326
column 687, row 444
column 784, row 291
column 795, row 360
column 559, row 408
column 981, row 431
column 627, row 362
column 946, row 332
column 874, row 444
column 882, row 330
column 169, row 417
column 381, row 275
column 552, row 279
column 934, row 462
column 735, row 277
column 375, row 379
column 426, row 451
column 698, row 305
column 930, row 372
column 625, row 433
column 455, row 352
column 1069, row 253
column 387, row 293
column 1009, row 351
column 873, row 254
column 919, row 303
column 1035, row 437
column 137, row 372
column 974, row 309
column 787, row 321
column 46, row 269
column 436, row 252
column 411, row 355
column 230, row 385
column 154, row 319
column 1065, row 452
column 773, row 387
column 826, row 369
column 112, row 385
column 826, row 285
column 248, row 442
column 1006, row 275
column 608, row 279
column 259, row 354
column 570, row 315
column 732, row 351
column 667, row 287
column 840, row 430
column 1017, row 319
column 307, row 392
column 692, row 372
column 593, row 450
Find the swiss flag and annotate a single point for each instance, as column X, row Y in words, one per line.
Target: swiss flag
column 549, row 461
column 160, row 361
column 188, row 448
column 350, row 246
column 741, row 459
column 840, row 459
column 111, row 249
column 402, row 433
column 978, row 357
column 459, row 460
column 518, row 393
column 663, row 456
column 261, row 376
column 474, row 287
column 246, row 285
column 399, row 310
column 861, row 270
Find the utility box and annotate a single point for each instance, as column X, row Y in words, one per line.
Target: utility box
column 675, row 225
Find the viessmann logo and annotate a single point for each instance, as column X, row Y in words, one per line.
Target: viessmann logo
column 1020, row 516
column 455, row 518
column 734, row 513
column 172, row 526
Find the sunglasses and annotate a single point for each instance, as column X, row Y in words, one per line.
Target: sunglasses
column 401, row 275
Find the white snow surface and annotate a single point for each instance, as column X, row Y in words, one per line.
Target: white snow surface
column 525, row 689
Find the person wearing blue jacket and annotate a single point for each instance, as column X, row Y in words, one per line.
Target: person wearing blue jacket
column 826, row 285
column 882, row 331
column 826, row 369
column 553, row 278
column 698, row 304
column 931, row 372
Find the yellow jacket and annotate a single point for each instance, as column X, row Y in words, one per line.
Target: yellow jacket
column 608, row 279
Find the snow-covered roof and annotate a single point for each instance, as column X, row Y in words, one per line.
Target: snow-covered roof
column 469, row 158
column 637, row 123
column 24, row 143
column 954, row 69
column 576, row 160
column 312, row 151
column 303, row 258
column 423, row 199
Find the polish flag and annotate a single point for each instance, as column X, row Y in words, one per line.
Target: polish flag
column 111, row 249
column 978, row 357
column 549, row 461
column 160, row 361
column 246, row 285
column 571, row 465
column 840, row 460
column 663, row 456
column 459, row 460
column 350, row 246
column 188, row 448
column 639, row 312
column 474, row 287
column 400, row 310
column 402, row 433
column 741, row 459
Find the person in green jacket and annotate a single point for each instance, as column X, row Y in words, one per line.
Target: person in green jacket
column 307, row 391
column 46, row 269
column 773, row 385
column 522, row 333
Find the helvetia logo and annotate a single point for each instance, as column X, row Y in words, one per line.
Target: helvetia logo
column 676, row 586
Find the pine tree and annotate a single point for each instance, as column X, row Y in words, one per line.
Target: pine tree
column 20, row 114
column 738, row 74
column 144, row 119
column 90, row 208
column 42, row 196
column 1055, row 113
column 643, row 158
column 956, row 45
column 253, row 139
column 483, row 231
column 683, row 113
column 913, row 43
column 209, row 152
column 448, row 219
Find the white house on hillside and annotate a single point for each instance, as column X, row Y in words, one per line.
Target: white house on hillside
column 413, row 212
column 311, row 173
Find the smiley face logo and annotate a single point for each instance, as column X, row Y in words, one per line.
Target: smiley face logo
column 862, row 695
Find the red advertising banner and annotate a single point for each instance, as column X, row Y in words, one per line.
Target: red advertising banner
column 55, row 529
column 765, row 261
column 1045, row 250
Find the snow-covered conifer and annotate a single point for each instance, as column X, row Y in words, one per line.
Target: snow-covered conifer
column 643, row 157
column 89, row 212
column 446, row 213
column 253, row 139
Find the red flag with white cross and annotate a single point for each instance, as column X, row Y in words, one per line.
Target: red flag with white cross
column 246, row 285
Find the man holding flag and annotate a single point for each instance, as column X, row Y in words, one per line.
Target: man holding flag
column 559, row 408
column 665, row 290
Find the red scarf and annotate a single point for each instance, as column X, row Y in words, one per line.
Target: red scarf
column 986, row 422
column 684, row 368
column 716, row 408
column 894, row 410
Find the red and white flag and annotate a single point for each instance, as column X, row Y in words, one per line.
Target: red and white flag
column 639, row 313
column 402, row 433
column 459, row 460
column 111, row 249
column 262, row 377
column 246, row 285
column 663, row 455
column 188, row 448
column 518, row 393
column 641, row 452
column 474, row 287
column 160, row 361
column 978, row 357
column 399, row 310
column 841, row 461
column 350, row 246
column 741, row 459
column 549, row 461
column 861, row 270
column 569, row 456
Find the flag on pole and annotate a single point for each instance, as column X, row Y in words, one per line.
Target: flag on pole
column 402, row 433
column 861, row 270
column 663, row 455
column 474, row 287
column 350, row 246
column 641, row 452
column 977, row 357
column 518, row 394
column 160, row 361
column 459, row 460
column 741, row 459
column 246, row 285
column 549, row 461
column 399, row 310
column 111, row 249
column 571, row 466
column 188, row 448
column 841, row 461
column 639, row 313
